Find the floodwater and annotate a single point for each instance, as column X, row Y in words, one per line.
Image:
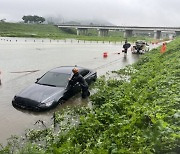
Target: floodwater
column 18, row 55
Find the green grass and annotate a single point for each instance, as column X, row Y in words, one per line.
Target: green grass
column 31, row 30
column 53, row 32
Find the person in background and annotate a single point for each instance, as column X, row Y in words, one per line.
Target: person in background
column 78, row 78
column 163, row 48
column 126, row 46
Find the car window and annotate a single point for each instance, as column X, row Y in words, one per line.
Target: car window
column 54, row 79
column 84, row 72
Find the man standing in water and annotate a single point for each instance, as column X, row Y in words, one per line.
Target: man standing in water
column 126, row 46
column 78, row 78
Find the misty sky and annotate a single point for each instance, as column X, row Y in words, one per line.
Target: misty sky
column 117, row 12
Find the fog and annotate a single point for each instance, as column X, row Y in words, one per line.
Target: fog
column 117, row 12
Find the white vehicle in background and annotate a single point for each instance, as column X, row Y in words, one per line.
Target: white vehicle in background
column 140, row 47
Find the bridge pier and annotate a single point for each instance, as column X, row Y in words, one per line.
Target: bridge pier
column 103, row 32
column 128, row 30
column 128, row 33
column 82, row 31
column 157, row 34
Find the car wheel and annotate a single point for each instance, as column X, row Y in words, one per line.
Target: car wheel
column 61, row 101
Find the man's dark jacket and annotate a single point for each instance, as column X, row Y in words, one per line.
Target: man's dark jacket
column 78, row 78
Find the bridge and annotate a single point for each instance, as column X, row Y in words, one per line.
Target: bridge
column 128, row 30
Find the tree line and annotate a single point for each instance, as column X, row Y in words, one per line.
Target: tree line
column 33, row 19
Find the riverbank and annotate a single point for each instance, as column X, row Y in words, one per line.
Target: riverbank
column 138, row 115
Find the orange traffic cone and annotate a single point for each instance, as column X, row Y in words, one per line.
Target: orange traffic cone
column 105, row 54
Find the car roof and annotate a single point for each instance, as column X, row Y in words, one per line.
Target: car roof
column 66, row 69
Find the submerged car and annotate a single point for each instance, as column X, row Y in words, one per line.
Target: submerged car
column 140, row 46
column 51, row 89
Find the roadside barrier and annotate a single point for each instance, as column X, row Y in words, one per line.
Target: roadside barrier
column 60, row 41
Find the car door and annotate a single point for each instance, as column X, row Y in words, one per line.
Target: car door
column 71, row 90
column 77, row 87
column 85, row 74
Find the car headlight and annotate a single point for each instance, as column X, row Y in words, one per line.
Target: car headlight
column 47, row 104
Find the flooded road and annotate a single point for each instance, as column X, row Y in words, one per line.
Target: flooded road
column 20, row 54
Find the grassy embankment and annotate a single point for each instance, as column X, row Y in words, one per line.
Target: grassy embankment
column 138, row 116
column 50, row 31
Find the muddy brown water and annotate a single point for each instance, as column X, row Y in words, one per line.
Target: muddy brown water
column 26, row 54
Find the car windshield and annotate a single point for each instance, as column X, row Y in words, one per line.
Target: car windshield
column 54, row 79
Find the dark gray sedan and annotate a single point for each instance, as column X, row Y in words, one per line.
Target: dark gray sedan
column 51, row 89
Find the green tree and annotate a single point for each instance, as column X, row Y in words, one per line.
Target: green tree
column 33, row 19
